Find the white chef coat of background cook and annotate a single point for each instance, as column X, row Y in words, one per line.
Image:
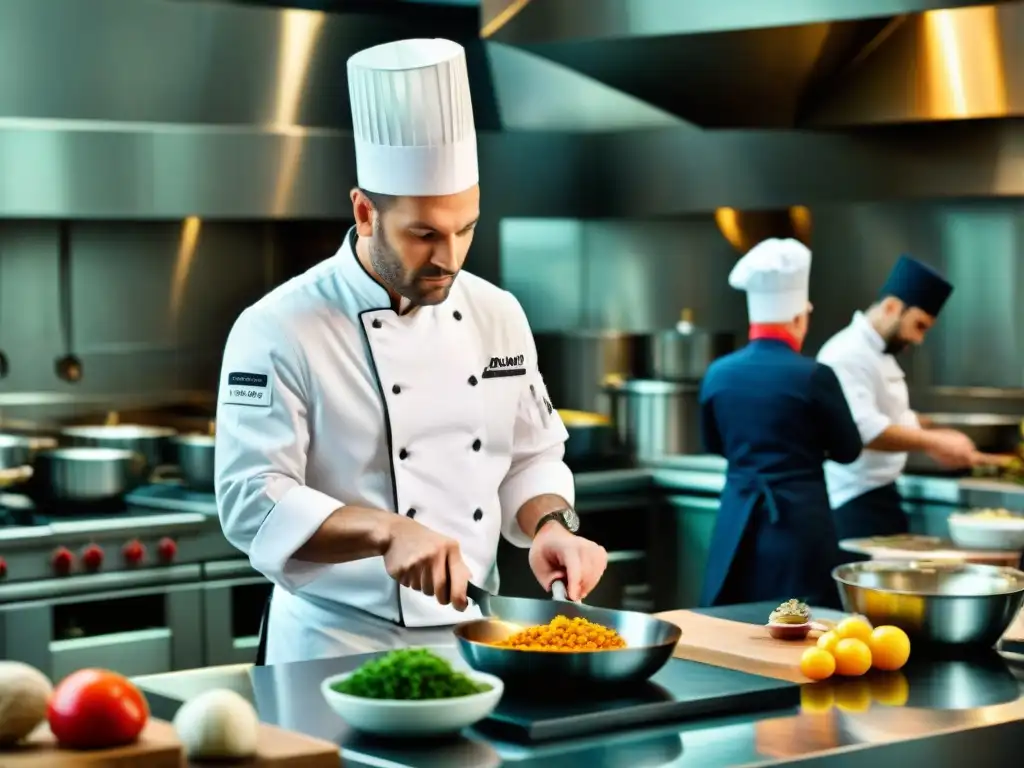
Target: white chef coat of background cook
column 876, row 390
column 463, row 450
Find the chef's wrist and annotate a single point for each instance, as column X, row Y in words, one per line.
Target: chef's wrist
column 390, row 529
column 349, row 533
column 534, row 510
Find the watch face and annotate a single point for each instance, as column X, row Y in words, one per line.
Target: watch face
column 572, row 520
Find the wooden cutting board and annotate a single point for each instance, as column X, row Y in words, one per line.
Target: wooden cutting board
column 740, row 646
column 749, row 647
column 278, row 748
column 159, row 747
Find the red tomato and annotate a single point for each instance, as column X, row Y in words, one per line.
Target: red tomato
column 95, row 708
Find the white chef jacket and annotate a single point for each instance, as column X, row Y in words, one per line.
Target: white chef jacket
column 329, row 397
column 876, row 390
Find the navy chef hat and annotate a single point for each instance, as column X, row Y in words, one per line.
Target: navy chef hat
column 917, row 285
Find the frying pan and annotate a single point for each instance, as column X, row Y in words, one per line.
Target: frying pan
column 649, row 642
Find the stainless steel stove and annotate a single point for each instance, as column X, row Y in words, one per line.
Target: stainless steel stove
column 146, row 585
column 155, row 526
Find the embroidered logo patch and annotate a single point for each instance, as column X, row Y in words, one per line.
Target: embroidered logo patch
column 500, row 367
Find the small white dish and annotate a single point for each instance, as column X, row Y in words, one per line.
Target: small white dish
column 428, row 717
column 998, row 533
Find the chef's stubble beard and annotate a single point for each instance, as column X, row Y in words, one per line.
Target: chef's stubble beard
column 387, row 263
column 894, row 344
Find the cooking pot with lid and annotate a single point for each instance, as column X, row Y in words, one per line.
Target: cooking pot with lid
column 152, row 443
column 655, row 419
column 86, row 474
column 195, row 454
column 21, row 450
column 684, row 353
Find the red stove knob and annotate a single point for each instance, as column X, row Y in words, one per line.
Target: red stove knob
column 92, row 557
column 62, row 561
column 3, row 568
column 167, row 549
column 134, row 552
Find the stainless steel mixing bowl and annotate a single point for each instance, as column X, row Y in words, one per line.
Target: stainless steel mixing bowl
column 934, row 602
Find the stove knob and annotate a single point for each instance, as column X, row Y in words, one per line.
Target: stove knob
column 3, row 568
column 167, row 549
column 92, row 557
column 134, row 552
column 62, row 561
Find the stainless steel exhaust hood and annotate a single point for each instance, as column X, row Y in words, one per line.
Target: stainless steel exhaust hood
column 751, row 63
column 153, row 109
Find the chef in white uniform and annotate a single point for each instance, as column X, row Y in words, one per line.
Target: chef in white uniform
column 863, row 495
column 381, row 419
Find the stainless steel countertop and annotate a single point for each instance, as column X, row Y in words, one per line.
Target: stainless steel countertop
column 949, row 708
column 706, row 475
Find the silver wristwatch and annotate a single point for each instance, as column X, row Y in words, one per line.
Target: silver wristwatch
column 567, row 517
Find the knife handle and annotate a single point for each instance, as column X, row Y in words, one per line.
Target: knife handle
column 476, row 594
column 558, row 591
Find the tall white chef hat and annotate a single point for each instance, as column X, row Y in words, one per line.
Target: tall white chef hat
column 412, row 118
column 776, row 276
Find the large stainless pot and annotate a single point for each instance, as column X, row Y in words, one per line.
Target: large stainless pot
column 21, row 450
column 684, row 353
column 153, row 443
column 195, row 460
column 87, row 474
column 934, row 602
column 656, row 418
column 576, row 363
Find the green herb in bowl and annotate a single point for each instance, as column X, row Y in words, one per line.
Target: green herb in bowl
column 408, row 674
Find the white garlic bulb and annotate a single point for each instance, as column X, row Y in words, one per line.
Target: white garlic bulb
column 218, row 724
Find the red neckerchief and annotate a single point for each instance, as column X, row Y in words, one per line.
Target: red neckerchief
column 758, row 331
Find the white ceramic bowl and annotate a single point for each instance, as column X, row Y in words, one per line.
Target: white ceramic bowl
column 970, row 532
column 429, row 717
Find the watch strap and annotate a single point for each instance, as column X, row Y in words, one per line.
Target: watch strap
column 558, row 515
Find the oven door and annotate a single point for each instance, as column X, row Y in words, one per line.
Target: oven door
column 137, row 623
column 234, row 596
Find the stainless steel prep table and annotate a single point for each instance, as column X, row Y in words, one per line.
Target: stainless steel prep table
column 974, row 710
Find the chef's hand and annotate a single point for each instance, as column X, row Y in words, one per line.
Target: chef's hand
column 557, row 554
column 951, row 449
column 421, row 559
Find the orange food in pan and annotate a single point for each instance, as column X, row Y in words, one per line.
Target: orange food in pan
column 564, row 634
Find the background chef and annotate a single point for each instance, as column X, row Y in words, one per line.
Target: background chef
column 774, row 415
column 381, row 419
column 863, row 494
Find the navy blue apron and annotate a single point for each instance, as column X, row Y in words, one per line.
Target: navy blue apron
column 879, row 512
column 774, row 539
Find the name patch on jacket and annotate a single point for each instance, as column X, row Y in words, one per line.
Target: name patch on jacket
column 500, row 367
column 243, row 388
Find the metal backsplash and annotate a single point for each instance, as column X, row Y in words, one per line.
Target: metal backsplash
column 635, row 276
column 978, row 244
column 152, row 304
